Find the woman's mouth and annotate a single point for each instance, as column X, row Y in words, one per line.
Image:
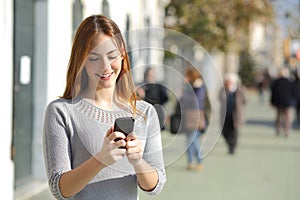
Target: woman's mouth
column 105, row 76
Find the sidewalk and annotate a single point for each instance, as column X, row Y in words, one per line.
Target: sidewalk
column 265, row 166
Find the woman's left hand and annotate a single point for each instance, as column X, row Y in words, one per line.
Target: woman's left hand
column 134, row 148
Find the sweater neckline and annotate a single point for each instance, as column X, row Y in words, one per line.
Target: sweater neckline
column 86, row 102
column 94, row 112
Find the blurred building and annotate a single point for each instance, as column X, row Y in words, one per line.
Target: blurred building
column 288, row 20
column 6, row 87
column 36, row 38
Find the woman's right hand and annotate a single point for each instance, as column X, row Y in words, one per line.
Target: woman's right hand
column 73, row 181
column 111, row 151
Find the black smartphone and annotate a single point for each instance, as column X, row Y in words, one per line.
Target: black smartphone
column 124, row 125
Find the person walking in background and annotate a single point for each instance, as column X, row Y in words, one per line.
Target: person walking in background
column 232, row 100
column 154, row 93
column 84, row 157
column 262, row 83
column 297, row 96
column 282, row 98
column 192, row 104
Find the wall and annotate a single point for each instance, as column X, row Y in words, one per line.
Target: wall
column 6, row 75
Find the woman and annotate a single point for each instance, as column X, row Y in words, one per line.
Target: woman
column 192, row 103
column 83, row 158
column 232, row 101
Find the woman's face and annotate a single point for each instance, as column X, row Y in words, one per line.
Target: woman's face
column 104, row 63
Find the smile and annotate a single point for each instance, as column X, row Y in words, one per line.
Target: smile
column 105, row 76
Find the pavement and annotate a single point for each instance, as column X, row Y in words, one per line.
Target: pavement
column 265, row 166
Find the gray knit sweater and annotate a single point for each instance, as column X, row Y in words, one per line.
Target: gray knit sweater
column 74, row 131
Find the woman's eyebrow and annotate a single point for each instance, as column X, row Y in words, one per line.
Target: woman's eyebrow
column 111, row 51
column 97, row 54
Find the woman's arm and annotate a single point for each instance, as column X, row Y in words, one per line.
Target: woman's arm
column 64, row 181
column 147, row 176
column 75, row 180
column 148, row 161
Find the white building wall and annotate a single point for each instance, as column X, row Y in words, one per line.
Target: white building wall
column 146, row 41
column 257, row 35
column 266, row 46
column 59, row 45
column 91, row 7
column 6, row 81
column 40, row 83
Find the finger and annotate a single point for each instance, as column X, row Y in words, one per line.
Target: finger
column 109, row 131
column 133, row 150
column 119, row 151
column 131, row 136
column 115, row 134
column 120, row 143
column 133, row 143
column 134, row 146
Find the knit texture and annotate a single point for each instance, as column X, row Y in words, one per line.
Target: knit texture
column 74, row 131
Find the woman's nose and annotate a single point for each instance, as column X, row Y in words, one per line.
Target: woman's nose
column 106, row 62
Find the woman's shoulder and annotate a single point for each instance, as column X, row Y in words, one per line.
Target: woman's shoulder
column 142, row 105
column 59, row 104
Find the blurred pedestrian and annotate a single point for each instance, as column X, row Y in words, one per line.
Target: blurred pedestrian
column 192, row 103
column 260, row 87
column 283, row 100
column 82, row 154
column 232, row 99
column 154, row 93
column 262, row 82
column 297, row 96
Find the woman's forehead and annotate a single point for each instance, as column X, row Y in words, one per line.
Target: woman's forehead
column 106, row 44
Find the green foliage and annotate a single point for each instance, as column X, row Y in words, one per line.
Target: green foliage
column 221, row 24
column 246, row 71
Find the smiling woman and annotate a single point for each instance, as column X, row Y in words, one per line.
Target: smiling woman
column 103, row 64
column 83, row 158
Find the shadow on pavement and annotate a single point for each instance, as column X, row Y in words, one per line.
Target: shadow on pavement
column 260, row 122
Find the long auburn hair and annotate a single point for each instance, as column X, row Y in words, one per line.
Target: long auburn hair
column 85, row 41
column 192, row 74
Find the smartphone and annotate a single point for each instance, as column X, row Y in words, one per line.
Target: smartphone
column 124, row 125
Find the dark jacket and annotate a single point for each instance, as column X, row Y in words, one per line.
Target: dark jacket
column 282, row 93
column 155, row 93
column 239, row 102
column 297, row 89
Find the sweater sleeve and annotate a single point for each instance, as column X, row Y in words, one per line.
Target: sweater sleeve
column 153, row 152
column 56, row 146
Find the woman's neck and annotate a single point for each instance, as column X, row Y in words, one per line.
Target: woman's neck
column 103, row 98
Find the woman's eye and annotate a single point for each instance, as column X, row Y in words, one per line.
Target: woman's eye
column 93, row 59
column 112, row 57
